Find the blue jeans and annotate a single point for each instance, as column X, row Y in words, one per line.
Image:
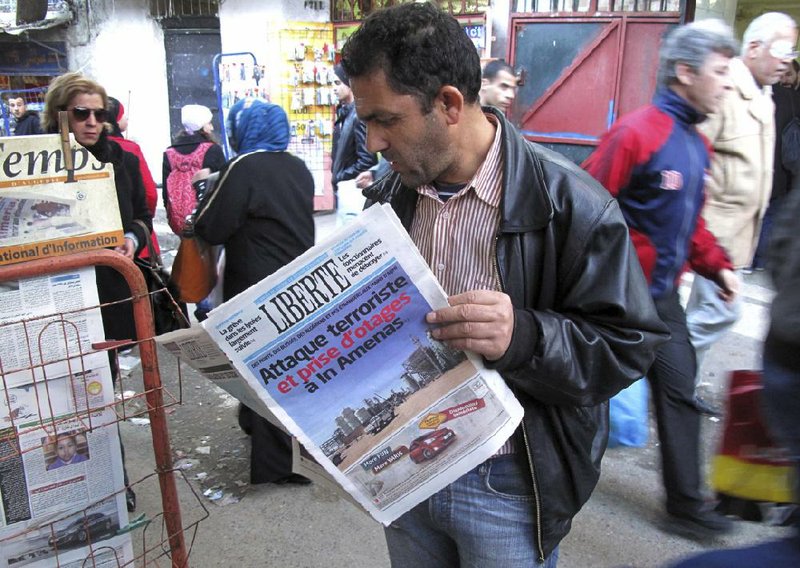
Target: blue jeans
column 484, row 519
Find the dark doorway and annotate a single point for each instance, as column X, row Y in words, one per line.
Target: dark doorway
column 190, row 46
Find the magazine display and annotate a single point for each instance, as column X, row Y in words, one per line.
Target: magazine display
column 336, row 346
column 46, row 212
column 61, row 475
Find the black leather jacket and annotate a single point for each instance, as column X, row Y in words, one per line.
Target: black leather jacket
column 585, row 325
column 350, row 155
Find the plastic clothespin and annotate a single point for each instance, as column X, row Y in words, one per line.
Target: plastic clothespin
column 138, row 522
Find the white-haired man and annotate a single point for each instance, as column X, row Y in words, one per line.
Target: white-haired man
column 742, row 133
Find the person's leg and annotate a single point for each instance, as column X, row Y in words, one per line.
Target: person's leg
column 493, row 517
column 270, row 454
column 130, row 494
column 415, row 540
column 781, row 402
column 708, row 317
column 485, row 519
column 760, row 257
column 672, row 383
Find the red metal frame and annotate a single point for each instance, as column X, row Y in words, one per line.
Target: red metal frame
column 575, row 64
column 617, row 20
column 151, row 376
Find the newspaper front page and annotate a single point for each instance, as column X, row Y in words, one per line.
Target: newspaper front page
column 60, row 458
column 43, row 212
column 336, row 346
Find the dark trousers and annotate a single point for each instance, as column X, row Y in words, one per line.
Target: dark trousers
column 760, row 256
column 672, row 383
column 271, row 450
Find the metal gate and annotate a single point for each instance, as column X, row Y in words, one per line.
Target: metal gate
column 579, row 74
column 190, row 76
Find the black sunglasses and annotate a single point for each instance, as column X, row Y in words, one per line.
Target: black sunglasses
column 82, row 114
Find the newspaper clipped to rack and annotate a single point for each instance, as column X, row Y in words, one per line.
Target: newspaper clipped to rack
column 336, row 347
column 46, row 211
column 61, row 473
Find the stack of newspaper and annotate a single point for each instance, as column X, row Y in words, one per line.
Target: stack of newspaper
column 334, row 347
column 61, row 473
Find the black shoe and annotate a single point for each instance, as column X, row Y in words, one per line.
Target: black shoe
column 705, row 523
column 244, row 416
column 130, row 500
column 293, row 479
column 704, row 408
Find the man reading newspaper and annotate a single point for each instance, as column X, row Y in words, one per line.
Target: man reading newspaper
column 543, row 283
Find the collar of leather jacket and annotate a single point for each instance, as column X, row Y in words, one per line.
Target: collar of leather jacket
column 525, row 203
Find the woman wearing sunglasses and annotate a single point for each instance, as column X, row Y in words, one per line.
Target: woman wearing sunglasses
column 86, row 104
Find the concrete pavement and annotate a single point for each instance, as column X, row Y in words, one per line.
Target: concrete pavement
column 299, row 527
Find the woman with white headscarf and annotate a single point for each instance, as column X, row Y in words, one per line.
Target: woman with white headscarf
column 194, row 137
column 262, row 212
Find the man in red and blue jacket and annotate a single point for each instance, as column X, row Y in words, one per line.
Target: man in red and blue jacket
column 654, row 161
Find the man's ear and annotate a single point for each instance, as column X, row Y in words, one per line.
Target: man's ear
column 685, row 74
column 452, row 103
column 484, row 82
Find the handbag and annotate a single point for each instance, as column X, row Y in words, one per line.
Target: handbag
column 194, row 271
column 168, row 314
column 751, row 474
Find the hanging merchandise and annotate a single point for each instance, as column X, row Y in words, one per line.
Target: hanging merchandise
column 307, row 97
column 236, row 76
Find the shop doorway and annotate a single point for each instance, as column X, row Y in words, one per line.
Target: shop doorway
column 190, row 52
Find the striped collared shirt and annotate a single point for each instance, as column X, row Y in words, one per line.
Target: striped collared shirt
column 457, row 237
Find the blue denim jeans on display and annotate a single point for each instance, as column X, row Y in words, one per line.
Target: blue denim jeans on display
column 485, row 519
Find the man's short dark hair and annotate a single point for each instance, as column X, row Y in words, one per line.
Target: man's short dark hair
column 420, row 48
column 491, row 69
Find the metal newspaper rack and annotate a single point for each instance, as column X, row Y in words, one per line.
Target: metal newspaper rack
column 161, row 539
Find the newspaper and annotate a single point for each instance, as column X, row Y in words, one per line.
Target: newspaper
column 336, row 347
column 61, row 475
column 43, row 211
column 195, row 347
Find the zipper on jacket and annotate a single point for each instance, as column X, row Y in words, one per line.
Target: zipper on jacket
column 683, row 232
column 535, row 492
column 526, row 440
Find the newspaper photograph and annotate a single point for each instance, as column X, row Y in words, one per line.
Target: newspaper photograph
column 43, row 211
column 61, row 475
column 337, row 347
column 26, row 214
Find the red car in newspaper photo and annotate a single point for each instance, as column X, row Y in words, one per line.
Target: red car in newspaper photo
column 430, row 445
